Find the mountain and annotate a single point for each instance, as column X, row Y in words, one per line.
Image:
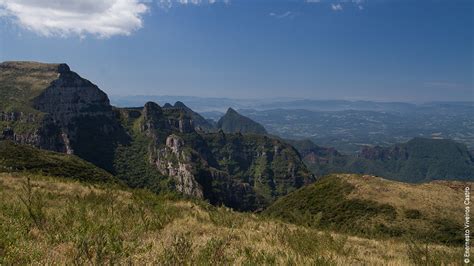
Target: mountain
column 371, row 206
column 245, row 172
column 50, row 107
column 418, row 160
column 233, row 122
column 199, row 122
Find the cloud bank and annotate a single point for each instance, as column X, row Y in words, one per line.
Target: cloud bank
column 101, row 18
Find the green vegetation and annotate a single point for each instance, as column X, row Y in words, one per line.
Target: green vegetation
column 354, row 204
column 20, row 82
column 272, row 167
column 132, row 166
column 22, row 158
column 418, row 160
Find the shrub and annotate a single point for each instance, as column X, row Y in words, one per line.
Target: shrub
column 34, row 204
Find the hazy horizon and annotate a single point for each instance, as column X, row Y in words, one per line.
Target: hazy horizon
column 289, row 98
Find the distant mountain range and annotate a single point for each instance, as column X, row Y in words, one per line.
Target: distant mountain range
column 344, row 125
column 209, row 104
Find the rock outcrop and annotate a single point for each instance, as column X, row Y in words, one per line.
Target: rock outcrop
column 199, row 122
column 174, row 161
column 245, row 172
column 69, row 114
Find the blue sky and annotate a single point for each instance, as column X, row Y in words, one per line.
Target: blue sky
column 386, row 50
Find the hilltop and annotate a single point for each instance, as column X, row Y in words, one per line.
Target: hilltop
column 374, row 207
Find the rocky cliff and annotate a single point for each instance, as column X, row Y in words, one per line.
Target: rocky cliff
column 68, row 114
column 241, row 171
column 199, row 122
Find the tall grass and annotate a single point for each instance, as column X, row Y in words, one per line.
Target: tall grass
column 46, row 220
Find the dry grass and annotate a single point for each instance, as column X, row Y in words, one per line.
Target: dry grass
column 95, row 225
column 434, row 199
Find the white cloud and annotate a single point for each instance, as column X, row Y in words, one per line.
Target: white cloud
column 102, row 18
column 336, row 7
column 287, row 14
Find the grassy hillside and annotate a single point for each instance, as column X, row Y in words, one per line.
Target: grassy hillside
column 20, row 82
column 374, row 207
column 45, row 220
column 17, row 157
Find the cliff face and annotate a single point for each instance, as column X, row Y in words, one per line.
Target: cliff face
column 199, row 122
column 418, row 160
column 243, row 172
column 70, row 114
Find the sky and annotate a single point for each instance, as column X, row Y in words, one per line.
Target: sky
column 382, row 50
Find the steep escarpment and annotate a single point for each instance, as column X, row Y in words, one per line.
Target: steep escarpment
column 53, row 108
column 271, row 167
column 418, row 160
